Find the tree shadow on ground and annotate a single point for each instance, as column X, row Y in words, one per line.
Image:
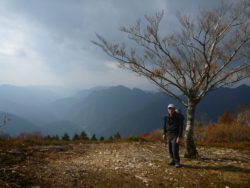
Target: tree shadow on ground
column 227, row 168
column 221, row 159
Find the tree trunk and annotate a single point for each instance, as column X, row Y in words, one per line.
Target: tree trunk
column 190, row 147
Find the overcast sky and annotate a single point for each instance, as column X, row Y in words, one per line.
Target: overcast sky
column 48, row 42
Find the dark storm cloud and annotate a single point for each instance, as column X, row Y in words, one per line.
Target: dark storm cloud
column 57, row 34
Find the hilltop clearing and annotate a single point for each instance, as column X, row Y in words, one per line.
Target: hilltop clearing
column 120, row 164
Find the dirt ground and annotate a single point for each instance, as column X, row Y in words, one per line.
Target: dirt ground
column 120, row 164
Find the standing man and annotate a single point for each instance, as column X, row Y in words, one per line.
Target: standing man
column 173, row 127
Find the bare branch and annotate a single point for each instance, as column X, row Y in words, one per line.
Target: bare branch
column 209, row 52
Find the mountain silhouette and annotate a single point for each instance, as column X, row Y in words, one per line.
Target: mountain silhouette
column 106, row 110
column 134, row 111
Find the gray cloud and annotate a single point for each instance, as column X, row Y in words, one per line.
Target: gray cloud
column 52, row 38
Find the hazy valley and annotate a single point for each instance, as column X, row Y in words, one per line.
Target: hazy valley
column 103, row 111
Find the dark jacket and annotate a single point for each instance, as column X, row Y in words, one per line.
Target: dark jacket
column 173, row 125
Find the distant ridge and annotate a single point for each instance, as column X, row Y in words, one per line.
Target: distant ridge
column 105, row 110
column 134, row 111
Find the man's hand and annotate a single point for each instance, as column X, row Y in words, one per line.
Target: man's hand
column 163, row 136
column 178, row 140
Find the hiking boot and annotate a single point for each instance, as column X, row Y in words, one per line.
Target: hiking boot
column 177, row 165
column 171, row 163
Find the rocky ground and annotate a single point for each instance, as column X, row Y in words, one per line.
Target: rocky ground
column 120, row 164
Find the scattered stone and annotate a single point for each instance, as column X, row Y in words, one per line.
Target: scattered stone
column 144, row 179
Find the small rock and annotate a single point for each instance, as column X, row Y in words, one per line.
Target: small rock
column 150, row 164
column 144, row 180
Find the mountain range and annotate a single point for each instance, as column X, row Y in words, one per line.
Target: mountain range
column 102, row 110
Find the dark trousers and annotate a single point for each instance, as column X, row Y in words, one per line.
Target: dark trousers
column 173, row 148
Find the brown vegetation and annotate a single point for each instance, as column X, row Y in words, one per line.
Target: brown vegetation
column 231, row 130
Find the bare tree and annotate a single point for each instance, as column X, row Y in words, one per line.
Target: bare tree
column 207, row 53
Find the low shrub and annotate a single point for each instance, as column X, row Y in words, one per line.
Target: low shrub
column 222, row 133
column 135, row 139
column 155, row 135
